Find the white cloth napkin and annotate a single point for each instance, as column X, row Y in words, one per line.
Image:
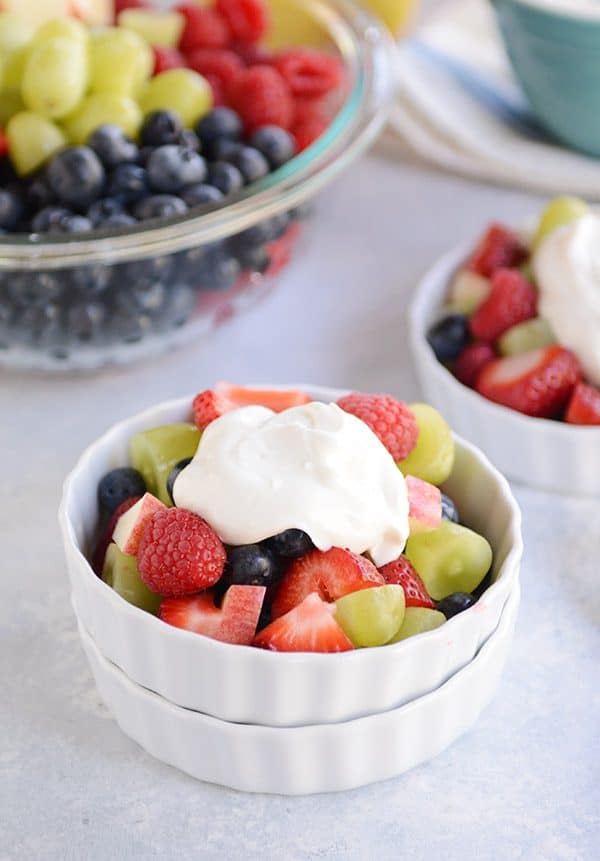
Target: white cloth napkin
column 459, row 106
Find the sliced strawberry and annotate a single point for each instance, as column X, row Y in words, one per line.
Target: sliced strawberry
column 425, row 505
column 208, row 406
column 166, row 58
column 130, row 526
column 278, row 401
column 471, row 362
column 401, row 573
column 309, row 627
column 331, row 574
column 538, row 383
column 512, row 300
column 584, row 406
column 107, row 535
column 235, row 622
column 498, row 248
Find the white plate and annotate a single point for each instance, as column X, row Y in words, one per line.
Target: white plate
column 549, row 455
column 302, row 760
column 242, row 684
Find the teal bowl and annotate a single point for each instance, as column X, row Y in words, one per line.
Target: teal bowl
column 555, row 53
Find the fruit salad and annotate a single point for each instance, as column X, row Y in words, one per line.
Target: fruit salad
column 275, row 521
column 522, row 321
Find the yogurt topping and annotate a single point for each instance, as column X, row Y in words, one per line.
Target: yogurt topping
column 567, row 271
column 313, row 467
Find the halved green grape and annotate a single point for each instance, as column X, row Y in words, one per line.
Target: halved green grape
column 180, row 90
column 101, row 108
column 371, row 617
column 63, row 28
column 561, row 210
column 468, row 291
column 32, row 140
column 417, row 620
column 154, row 26
column 11, row 103
column 432, row 459
column 55, row 77
column 155, row 452
column 527, row 336
column 450, row 559
column 120, row 62
column 121, row 573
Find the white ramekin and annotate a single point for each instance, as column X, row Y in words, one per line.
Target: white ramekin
column 545, row 454
column 242, row 684
column 302, row 760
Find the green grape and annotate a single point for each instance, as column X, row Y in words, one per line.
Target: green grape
column 180, row 90
column 63, row 28
column 450, row 559
column 121, row 573
column 120, row 62
column 11, row 103
column 101, row 108
column 525, row 337
column 417, row 620
column 13, row 67
column 561, row 210
column 32, row 140
column 468, row 291
column 432, row 459
column 155, row 452
column 371, row 617
column 55, row 77
column 155, row 27
column 15, row 33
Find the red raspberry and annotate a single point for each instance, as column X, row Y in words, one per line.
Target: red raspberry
column 167, row 58
column 262, row 98
column 253, row 55
column 216, row 65
column 309, row 72
column 512, row 300
column 208, row 406
column 248, row 19
column 498, row 248
column 306, row 131
column 180, row 553
column 471, row 362
column 204, row 28
column 390, row 420
column 401, row 573
column 106, row 537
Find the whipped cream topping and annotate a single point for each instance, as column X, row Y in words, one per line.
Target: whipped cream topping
column 313, row 467
column 567, row 271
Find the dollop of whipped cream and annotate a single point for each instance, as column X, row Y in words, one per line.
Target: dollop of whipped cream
column 567, row 271
column 313, row 467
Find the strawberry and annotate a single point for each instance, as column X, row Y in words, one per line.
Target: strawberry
column 275, row 400
column 512, row 300
column 498, row 248
column 248, row 19
column 425, row 505
column 471, row 362
column 167, row 58
column 208, row 406
column 204, row 28
column 401, row 573
column 309, row 627
column 331, row 574
column 584, row 406
column 390, row 420
column 179, row 553
column 235, row 622
column 107, row 535
column 538, row 383
column 131, row 525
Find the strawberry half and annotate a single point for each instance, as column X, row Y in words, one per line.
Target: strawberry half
column 235, row 622
column 401, row 573
column 584, row 406
column 471, row 362
column 275, row 400
column 512, row 300
column 208, row 406
column 538, row 383
column 309, row 627
column 331, row 574
column 498, row 248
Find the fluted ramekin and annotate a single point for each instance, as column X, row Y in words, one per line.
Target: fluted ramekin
column 242, row 684
column 549, row 455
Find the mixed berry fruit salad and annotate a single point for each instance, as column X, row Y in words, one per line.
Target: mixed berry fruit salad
column 522, row 321
column 275, row 521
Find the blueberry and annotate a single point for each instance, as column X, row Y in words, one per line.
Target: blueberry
column 455, row 603
column 112, row 146
column 449, row 337
column 226, row 177
column 449, row 509
column 48, row 219
column 103, row 209
column 181, row 303
column 201, row 194
column 160, row 128
column 76, row 176
column 129, row 325
column 39, row 194
column 275, row 144
column 278, row 225
column 86, row 319
column 129, row 182
column 217, row 270
column 119, row 219
column 171, row 167
column 91, row 279
column 220, row 123
column 179, row 467
column 222, row 149
column 189, row 139
column 147, row 296
column 42, row 324
column 255, row 260
column 251, row 163
column 291, row 544
column 117, row 486
column 11, row 209
column 252, row 565
column 35, row 288
column 159, row 206
column 73, row 223
column 149, row 270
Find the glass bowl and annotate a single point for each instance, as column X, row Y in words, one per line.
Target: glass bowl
column 117, row 296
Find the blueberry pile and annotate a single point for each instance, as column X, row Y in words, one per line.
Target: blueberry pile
column 115, row 183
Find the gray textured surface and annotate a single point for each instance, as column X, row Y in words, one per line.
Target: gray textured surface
column 524, row 784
